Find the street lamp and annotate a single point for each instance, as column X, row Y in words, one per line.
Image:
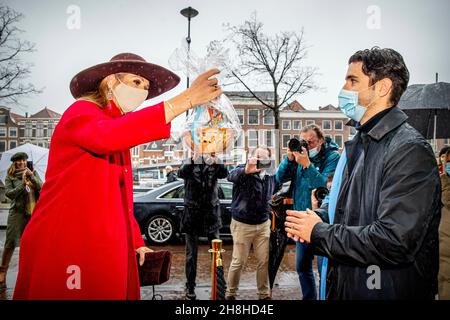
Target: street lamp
column 189, row 13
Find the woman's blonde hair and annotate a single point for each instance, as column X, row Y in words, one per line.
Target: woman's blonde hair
column 99, row 96
column 12, row 170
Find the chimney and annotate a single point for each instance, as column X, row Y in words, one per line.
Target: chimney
column 26, row 114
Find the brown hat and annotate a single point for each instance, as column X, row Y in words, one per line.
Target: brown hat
column 161, row 79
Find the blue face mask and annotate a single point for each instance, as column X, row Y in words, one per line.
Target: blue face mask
column 447, row 168
column 313, row 153
column 348, row 103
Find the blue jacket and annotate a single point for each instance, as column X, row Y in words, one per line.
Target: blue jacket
column 251, row 196
column 311, row 178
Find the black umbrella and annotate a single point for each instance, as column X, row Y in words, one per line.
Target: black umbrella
column 428, row 109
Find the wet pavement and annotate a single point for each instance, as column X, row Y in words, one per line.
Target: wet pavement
column 286, row 284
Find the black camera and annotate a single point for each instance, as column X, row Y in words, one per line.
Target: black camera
column 265, row 164
column 320, row 194
column 30, row 165
column 296, row 145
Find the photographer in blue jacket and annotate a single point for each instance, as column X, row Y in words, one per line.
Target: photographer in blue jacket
column 313, row 166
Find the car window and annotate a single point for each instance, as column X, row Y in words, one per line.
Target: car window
column 180, row 192
column 171, row 194
column 227, row 191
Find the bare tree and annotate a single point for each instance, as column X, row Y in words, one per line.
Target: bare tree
column 13, row 71
column 277, row 62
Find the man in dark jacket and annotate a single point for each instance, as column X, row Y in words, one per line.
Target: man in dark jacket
column 201, row 215
column 384, row 240
column 250, row 225
column 171, row 175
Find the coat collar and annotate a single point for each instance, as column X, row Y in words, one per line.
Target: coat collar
column 112, row 110
column 389, row 122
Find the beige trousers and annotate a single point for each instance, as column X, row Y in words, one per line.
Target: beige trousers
column 244, row 236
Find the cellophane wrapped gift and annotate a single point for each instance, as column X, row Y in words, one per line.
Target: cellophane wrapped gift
column 215, row 126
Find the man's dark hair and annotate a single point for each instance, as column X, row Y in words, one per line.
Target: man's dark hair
column 445, row 150
column 380, row 63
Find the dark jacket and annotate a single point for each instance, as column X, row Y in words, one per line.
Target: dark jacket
column 387, row 215
column 311, row 178
column 201, row 213
column 251, row 196
column 171, row 177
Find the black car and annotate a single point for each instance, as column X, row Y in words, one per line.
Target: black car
column 158, row 211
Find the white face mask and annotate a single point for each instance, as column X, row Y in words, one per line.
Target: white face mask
column 129, row 98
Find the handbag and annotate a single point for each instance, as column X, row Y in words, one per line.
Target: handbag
column 156, row 268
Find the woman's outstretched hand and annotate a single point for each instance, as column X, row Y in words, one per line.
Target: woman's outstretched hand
column 204, row 89
column 142, row 251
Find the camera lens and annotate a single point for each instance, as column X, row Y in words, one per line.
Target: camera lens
column 294, row 145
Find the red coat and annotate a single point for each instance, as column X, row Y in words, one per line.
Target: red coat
column 83, row 223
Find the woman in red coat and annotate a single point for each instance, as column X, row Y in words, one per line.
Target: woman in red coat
column 82, row 240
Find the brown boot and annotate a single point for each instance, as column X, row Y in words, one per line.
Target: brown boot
column 6, row 259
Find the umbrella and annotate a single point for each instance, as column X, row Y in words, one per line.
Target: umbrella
column 428, row 109
column 38, row 155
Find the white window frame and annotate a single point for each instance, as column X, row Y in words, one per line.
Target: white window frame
column 17, row 132
column 283, row 122
column 248, row 117
column 241, row 138
column 296, row 121
column 9, row 144
column 342, row 125
column 335, row 140
column 272, row 143
column 241, row 112
column 282, row 140
column 264, row 117
column 330, row 125
column 6, row 132
column 257, row 139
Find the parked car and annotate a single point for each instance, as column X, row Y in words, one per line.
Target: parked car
column 158, row 211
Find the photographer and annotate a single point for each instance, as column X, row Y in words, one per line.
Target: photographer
column 253, row 188
column 313, row 166
column 22, row 187
column 201, row 213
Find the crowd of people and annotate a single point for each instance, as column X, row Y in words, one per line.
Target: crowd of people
column 382, row 232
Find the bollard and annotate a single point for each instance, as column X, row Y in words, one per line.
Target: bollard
column 216, row 261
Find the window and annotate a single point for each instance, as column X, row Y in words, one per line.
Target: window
column 297, row 124
column 239, row 143
column 310, row 122
column 447, row 142
column 28, row 130
column 269, row 118
column 50, row 129
column 3, row 119
column 135, row 151
column 12, row 144
column 2, row 132
column 40, row 144
column 253, row 116
column 338, row 125
column 253, row 138
column 2, row 146
column 296, row 136
column 286, row 124
column 13, row 132
column 339, row 140
column 269, row 140
column 39, row 130
column 227, row 191
column 326, row 125
column 172, row 194
column 286, row 138
column 240, row 113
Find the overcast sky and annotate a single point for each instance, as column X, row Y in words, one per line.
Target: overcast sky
column 418, row 29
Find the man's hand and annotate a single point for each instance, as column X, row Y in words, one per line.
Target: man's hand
column 300, row 224
column 141, row 251
column 250, row 166
column 302, row 158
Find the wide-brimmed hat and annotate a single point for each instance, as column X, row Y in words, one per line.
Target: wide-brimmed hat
column 19, row 156
column 160, row 78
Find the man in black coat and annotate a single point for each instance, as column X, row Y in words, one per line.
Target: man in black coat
column 384, row 240
column 201, row 215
